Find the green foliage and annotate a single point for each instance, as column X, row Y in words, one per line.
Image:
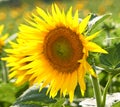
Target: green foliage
column 32, row 97
column 111, row 64
column 59, row 103
column 116, row 104
column 7, row 93
column 112, row 59
column 95, row 20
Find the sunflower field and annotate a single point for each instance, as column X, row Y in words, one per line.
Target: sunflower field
column 59, row 53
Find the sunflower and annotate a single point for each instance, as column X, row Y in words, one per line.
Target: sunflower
column 52, row 50
column 2, row 38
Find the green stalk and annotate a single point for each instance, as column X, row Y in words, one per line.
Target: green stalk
column 97, row 91
column 106, row 90
column 4, row 69
column 108, row 38
column 112, row 74
column 4, row 72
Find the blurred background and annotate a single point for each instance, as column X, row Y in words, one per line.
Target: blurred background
column 14, row 12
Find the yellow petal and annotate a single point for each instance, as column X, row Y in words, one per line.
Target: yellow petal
column 1, row 29
column 72, row 85
column 53, row 12
column 22, row 79
column 42, row 13
column 93, row 47
column 55, row 15
column 57, row 10
column 66, row 83
column 90, row 70
column 55, row 86
column 13, row 74
column 75, row 19
column 93, row 36
column 81, row 74
column 25, row 28
column 73, row 82
column 63, row 19
column 5, row 36
column 71, row 95
column 83, row 24
column 69, row 16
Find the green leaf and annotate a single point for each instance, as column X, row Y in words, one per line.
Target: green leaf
column 95, row 20
column 7, row 92
column 59, row 103
column 32, row 96
column 26, row 105
column 112, row 59
column 116, row 104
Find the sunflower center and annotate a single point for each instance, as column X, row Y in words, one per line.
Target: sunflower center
column 63, row 49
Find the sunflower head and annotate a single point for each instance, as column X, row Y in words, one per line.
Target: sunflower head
column 53, row 50
column 63, row 49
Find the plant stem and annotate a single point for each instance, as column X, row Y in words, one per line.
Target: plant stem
column 108, row 38
column 97, row 91
column 106, row 90
column 4, row 70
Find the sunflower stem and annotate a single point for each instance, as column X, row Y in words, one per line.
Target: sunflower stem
column 4, row 70
column 96, row 88
column 106, row 90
